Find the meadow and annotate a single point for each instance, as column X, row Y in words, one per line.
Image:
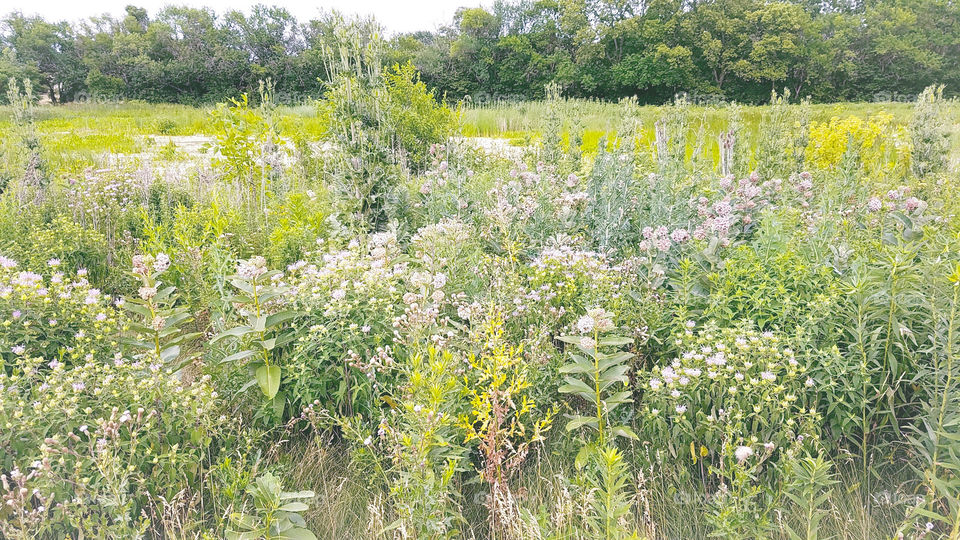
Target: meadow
column 359, row 318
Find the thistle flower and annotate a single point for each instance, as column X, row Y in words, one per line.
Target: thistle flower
column 743, row 453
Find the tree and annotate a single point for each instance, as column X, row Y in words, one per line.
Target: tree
column 778, row 43
column 50, row 50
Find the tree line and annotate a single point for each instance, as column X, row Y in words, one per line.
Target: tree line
column 830, row 50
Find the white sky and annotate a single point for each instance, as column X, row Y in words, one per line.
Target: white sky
column 396, row 15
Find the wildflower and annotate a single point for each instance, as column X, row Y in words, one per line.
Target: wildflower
column 147, row 293
column 53, row 263
column 252, row 268
column 587, row 342
column 18, row 349
column 421, row 279
column 768, row 376
column 158, row 323
column 585, row 324
column 161, row 262
column 680, row 235
column 743, row 453
column 338, row 294
column 681, row 409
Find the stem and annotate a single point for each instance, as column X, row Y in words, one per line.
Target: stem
column 946, row 392
column 596, row 385
column 256, row 304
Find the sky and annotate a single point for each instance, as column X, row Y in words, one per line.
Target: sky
column 395, row 15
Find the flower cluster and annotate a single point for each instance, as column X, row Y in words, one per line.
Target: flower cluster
column 60, row 314
column 732, row 380
column 88, row 431
column 103, row 196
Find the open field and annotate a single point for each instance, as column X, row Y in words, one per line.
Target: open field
column 378, row 317
column 137, row 127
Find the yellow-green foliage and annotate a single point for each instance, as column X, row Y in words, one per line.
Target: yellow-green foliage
column 502, row 420
column 879, row 144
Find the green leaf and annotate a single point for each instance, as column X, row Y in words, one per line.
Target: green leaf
column 580, row 421
column 583, row 455
column 170, row 353
column 294, row 506
column 287, row 495
column 576, row 386
column 137, row 308
column 268, row 377
column 243, row 286
column 280, row 318
column 616, row 341
column 238, row 356
column 298, row 534
column 258, row 324
column 244, row 520
column 624, row 431
column 579, row 364
column 248, row 535
column 237, row 331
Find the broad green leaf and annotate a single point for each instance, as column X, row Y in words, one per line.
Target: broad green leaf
column 298, row 534
column 280, row 318
column 238, row 356
column 580, row 421
column 237, row 331
column 286, row 495
column 170, row 353
column 268, row 377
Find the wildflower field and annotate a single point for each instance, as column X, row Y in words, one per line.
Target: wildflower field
column 359, row 319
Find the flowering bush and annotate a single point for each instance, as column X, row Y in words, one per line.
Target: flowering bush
column 61, row 317
column 731, row 384
column 351, row 298
column 97, row 443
